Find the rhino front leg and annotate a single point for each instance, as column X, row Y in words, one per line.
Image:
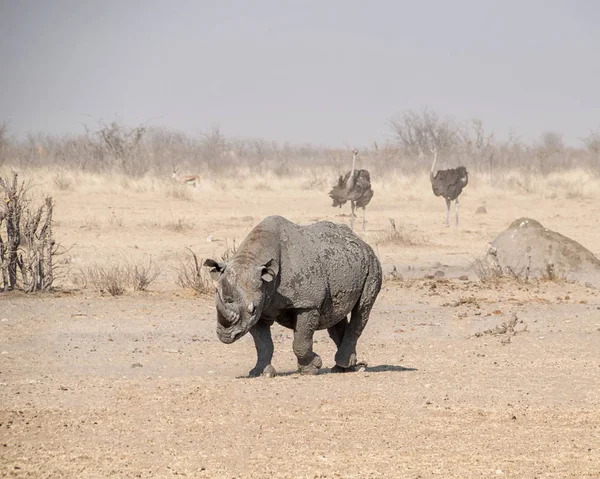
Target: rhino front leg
column 308, row 361
column 261, row 333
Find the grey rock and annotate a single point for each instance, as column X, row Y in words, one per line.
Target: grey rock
column 528, row 250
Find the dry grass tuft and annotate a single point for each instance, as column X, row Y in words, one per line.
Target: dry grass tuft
column 191, row 275
column 180, row 193
column 104, row 279
column 397, row 236
column 229, row 251
column 507, row 329
column 490, row 272
column 116, row 221
column 91, row 223
column 63, row 182
column 142, row 275
column 117, row 278
column 178, row 225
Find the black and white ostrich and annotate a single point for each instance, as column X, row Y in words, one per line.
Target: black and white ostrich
column 448, row 184
column 354, row 186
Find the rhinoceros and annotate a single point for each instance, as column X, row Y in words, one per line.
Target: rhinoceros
column 306, row 278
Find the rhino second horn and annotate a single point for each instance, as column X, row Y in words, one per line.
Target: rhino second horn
column 233, row 316
column 251, row 307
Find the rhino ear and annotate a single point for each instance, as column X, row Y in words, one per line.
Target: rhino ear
column 216, row 268
column 269, row 270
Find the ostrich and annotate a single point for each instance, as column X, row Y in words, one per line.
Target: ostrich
column 448, row 184
column 354, row 186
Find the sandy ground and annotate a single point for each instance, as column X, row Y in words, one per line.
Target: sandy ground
column 139, row 386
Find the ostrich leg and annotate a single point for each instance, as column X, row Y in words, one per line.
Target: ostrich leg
column 364, row 217
column 353, row 206
column 447, row 212
column 456, row 209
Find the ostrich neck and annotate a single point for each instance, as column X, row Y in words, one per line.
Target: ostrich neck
column 353, row 166
column 434, row 161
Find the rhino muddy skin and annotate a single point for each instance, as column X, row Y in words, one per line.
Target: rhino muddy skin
column 305, row 278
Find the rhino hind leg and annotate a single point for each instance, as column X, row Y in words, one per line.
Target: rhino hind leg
column 345, row 358
column 261, row 333
column 337, row 331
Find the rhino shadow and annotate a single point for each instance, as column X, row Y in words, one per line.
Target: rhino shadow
column 381, row 368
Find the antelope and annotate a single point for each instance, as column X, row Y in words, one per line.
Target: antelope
column 191, row 180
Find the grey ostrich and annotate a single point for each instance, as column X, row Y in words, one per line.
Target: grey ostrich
column 448, row 184
column 354, row 186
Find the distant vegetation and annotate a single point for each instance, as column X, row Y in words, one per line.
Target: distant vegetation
column 138, row 151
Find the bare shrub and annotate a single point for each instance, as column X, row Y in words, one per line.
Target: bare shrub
column 549, row 274
column 120, row 145
column 79, row 279
column 191, row 275
column 62, row 181
column 107, row 279
column 142, row 275
column 229, row 251
column 116, row 279
column 179, row 225
column 397, row 236
column 592, row 143
column 115, row 220
column 220, row 184
column 419, row 131
column 27, row 245
column 180, row 193
column 314, row 182
column 91, row 223
column 506, row 330
column 4, row 142
column 488, row 273
column 262, row 185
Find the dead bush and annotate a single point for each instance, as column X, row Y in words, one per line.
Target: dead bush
column 90, row 223
column 62, row 181
column 179, row 225
column 180, row 193
column 397, row 236
column 111, row 279
column 229, row 251
column 191, row 275
column 489, row 272
column 142, row 275
column 115, row 220
column 27, row 246
column 506, row 330
column 116, row 279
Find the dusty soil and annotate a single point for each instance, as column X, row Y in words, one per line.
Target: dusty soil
column 139, row 386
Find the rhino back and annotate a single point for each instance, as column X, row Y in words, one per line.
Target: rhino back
column 324, row 266
column 321, row 266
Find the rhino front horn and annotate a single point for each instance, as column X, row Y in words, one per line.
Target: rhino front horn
column 251, row 307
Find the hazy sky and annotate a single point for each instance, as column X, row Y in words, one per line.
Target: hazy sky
column 321, row 71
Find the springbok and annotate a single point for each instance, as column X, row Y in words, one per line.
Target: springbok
column 191, row 180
